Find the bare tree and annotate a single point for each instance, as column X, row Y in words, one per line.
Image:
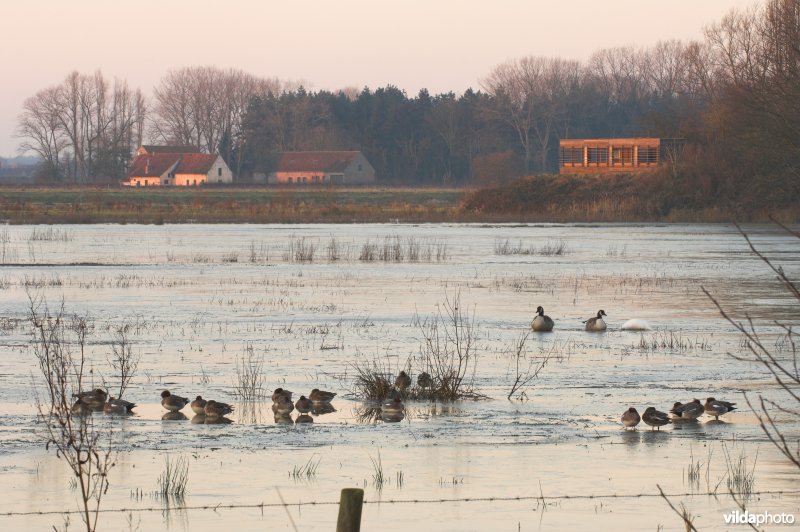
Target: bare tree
column 58, row 343
column 123, row 360
column 785, row 370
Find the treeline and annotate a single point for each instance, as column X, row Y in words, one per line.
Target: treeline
column 733, row 96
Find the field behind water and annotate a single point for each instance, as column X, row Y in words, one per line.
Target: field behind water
column 310, row 302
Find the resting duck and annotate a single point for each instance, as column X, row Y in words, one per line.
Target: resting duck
column 199, row 405
column 630, row 418
column 542, row 323
column 596, row 324
column 654, row 418
column 319, row 396
column 280, row 392
column 717, row 408
column 173, row 403
column 402, row 381
column 216, row 409
column 118, row 406
column 304, row 405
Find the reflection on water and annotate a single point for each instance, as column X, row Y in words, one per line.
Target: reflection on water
column 191, row 310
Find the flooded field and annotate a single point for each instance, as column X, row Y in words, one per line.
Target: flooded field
column 312, row 302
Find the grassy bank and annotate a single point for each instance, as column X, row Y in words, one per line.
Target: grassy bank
column 547, row 198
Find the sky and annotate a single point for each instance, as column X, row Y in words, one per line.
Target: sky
column 441, row 45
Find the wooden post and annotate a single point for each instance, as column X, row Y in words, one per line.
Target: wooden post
column 350, row 504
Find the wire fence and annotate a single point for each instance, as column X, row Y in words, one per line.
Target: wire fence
column 263, row 505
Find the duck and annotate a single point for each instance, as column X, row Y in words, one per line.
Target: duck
column 280, row 392
column 319, row 396
column 542, row 323
column 217, row 409
column 198, row 405
column 282, row 407
column 655, row 418
column 687, row 411
column 717, row 408
column 118, row 406
column 424, row 380
column 173, row 403
column 93, row 399
column 304, row 405
column 677, row 410
column 402, row 381
column 630, row 418
column 596, row 324
column 80, row 408
column 393, row 406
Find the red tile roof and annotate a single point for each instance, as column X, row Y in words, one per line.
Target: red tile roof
column 152, row 165
column 155, row 165
column 315, row 161
column 195, row 163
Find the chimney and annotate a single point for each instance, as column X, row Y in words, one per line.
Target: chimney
column 147, row 166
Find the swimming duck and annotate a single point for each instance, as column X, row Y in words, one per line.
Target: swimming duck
column 118, row 406
column 542, row 323
column 402, row 381
column 717, row 408
column 217, row 409
column 199, row 405
column 654, row 418
column 596, row 324
column 319, row 396
column 173, row 403
column 280, row 392
column 424, row 380
column 630, row 418
column 282, row 407
column 304, row 405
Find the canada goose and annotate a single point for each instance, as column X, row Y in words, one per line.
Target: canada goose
column 654, row 418
column 402, row 381
column 216, row 409
column 542, row 323
column 118, row 406
column 717, row 408
column 199, row 405
column 304, row 405
column 319, row 396
column 630, row 418
column 173, row 403
column 596, row 324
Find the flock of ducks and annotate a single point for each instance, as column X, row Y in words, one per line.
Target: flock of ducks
column 544, row 323
column 207, row 411
column 679, row 412
column 655, row 418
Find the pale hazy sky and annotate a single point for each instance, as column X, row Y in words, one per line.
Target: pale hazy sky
column 442, row 45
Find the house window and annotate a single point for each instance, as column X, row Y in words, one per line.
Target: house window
column 219, row 172
column 571, row 156
column 145, row 182
column 622, row 155
column 138, row 183
column 166, row 181
column 597, row 155
column 648, row 155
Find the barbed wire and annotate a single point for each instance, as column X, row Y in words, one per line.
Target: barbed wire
column 263, row 505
